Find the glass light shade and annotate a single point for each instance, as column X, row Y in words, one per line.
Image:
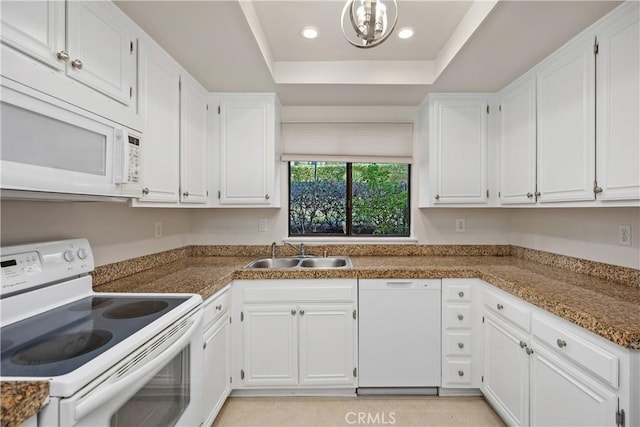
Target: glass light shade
column 369, row 22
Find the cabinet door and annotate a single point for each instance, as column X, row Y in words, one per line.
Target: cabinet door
column 566, row 127
column 327, row 344
column 459, row 138
column 506, row 373
column 193, row 142
column 217, row 369
column 518, row 144
column 618, row 86
column 270, row 345
column 161, row 109
column 35, row 28
column 246, row 151
column 101, row 48
column 562, row 396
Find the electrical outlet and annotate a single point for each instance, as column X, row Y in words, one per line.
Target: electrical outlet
column 460, row 225
column 263, row 224
column 158, row 230
column 624, row 235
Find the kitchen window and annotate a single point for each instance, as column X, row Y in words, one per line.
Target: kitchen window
column 349, row 199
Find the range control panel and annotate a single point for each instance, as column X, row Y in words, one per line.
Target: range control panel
column 34, row 265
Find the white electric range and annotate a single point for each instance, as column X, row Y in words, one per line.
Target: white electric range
column 111, row 359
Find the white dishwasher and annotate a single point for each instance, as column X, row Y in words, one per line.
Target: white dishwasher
column 399, row 336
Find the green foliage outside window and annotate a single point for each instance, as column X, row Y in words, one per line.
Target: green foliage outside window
column 319, row 200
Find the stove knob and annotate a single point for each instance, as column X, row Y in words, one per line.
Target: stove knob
column 68, row 256
column 82, row 253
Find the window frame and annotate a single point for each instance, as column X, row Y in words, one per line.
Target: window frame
column 349, row 207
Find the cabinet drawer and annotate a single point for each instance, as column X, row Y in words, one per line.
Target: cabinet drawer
column 591, row 356
column 216, row 306
column 456, row 371
column 458, row 316
column 509, row 308
column 457, row 343
column 458, row 293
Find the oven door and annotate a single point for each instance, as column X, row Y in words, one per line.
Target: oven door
column 160, row 384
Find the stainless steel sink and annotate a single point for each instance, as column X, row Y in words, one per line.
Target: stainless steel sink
column 274, row 263
column 302, row 262
column 333, row 262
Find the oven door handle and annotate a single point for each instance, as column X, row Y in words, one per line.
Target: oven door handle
column 144, row 372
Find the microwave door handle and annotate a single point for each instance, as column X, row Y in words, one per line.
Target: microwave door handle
column 144, row 373
column 120, row 157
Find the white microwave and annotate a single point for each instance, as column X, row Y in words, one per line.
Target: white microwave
column 50, row 146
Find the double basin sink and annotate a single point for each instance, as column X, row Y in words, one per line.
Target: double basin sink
column 302, row 262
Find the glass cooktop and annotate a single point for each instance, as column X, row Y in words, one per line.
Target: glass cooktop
column 61, row 340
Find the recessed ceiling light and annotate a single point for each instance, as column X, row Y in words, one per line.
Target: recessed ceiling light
column 309, row 32
column 405, row 33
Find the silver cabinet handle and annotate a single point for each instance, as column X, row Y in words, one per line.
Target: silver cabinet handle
column 461, row 294
column 529, row 351
column 461, row 373
column 460, row 317
column 538, row 194
column 145, row 191
column 500, row 306
column 529, row 195
column 63, row 56
column 185, row 194
column 437, row 197
column 523, row 344
column 460, row 345
column 301, row 312
column 561, row 343
column 77, row 64
column 266, row 196
column 293, row 312
column 219, row 307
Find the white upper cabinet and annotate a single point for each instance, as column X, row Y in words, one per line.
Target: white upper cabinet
column 618, row 106
column 566, row 124
column 247, row 128
column 160, row 94
column 518, row 143
column 193, row 142
column 458, row 132
column 36, row 28
column 101, row 49
column 53, row 45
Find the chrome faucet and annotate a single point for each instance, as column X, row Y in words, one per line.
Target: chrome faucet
column 301, row 248
column 273, row 250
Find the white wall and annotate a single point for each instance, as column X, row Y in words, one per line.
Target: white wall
column 589, row 233
column 115, row 231
column 118, row 232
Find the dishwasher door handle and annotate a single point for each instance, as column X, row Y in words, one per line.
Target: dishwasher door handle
column 400, row 285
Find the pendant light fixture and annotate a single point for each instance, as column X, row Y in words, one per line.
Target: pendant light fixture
column 368, row 23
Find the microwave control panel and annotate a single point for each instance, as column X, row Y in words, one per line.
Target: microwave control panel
column 134, row 160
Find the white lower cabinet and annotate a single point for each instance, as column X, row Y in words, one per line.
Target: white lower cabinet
column 562, row 395
column 216, row 371
column 295, row 334
column 270, row 345
column 541, row 370
column 461, row 334
column 506, row 371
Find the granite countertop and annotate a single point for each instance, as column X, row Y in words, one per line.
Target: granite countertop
column 21, row 400
column 605, row 307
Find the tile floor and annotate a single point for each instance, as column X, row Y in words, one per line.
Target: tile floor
column 356, row 411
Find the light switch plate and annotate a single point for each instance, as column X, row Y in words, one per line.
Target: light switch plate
column 460, row 225
column 263, row 225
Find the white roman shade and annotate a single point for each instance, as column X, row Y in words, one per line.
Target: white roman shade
column 348, row 142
